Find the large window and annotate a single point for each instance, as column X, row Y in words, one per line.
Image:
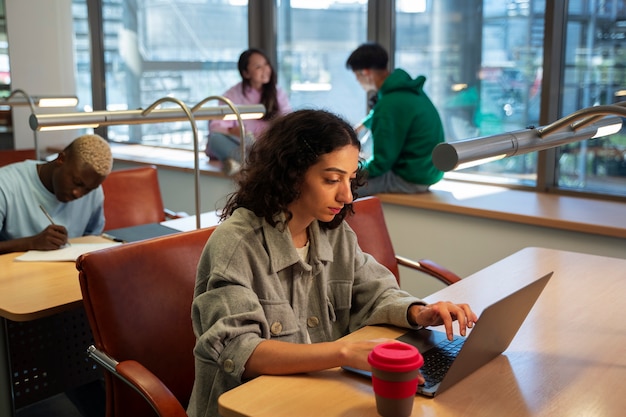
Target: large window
column 484, row 63
column 483, row 60
column 153, row 48
column 314, row 40
column 5, row 75
column 595, row 58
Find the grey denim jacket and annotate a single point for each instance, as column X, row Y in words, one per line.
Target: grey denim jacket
column 252, row 286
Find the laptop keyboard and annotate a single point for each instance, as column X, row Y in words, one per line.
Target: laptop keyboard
column 438, row 360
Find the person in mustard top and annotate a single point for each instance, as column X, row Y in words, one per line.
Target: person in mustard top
column 404, row 124
column 282, row 278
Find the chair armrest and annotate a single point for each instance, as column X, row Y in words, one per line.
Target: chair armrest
column 431, row 268
column 148, row 385
column 151, row 388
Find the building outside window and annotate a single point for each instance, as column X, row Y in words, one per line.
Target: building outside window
column 5, row 74
column 182, row 48
column 595, row 58
column 483, row 60
column 315, row 39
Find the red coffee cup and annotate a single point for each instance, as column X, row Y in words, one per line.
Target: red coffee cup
column 395, row 370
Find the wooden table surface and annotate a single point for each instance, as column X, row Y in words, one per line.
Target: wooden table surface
column 31, row 290
column 568, row 358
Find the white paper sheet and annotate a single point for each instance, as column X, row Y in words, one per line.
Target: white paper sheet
column 186, row 224
column 66, row 254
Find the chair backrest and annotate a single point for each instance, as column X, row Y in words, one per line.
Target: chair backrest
column 137, row 299
column 10, row 156
column 368, row 222
column 132, row 197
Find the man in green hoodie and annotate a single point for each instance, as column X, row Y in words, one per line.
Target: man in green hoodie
column 404, row 124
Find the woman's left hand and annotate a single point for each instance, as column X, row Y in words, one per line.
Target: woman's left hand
column 443, row 312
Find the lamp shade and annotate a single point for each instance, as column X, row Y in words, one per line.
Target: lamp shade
column 19, row 97
column 470, row 152
column 61, row 121
column 40, row 101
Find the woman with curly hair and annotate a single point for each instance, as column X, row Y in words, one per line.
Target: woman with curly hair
column 283, row 278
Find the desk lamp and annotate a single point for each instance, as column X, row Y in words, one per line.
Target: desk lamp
column 242, row 131
column 583, row 124
column 152, row 115
column 19, row 97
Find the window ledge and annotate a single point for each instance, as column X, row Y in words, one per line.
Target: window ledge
column 578, row 214
column 597, row 217
column 177, row 159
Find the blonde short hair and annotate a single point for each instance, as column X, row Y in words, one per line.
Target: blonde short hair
column 94, row 151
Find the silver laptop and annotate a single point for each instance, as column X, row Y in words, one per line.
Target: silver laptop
column 447, row 362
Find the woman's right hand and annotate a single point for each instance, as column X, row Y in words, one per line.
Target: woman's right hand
column 357, row 353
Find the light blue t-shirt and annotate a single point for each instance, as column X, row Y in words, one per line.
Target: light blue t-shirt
column 21, row 193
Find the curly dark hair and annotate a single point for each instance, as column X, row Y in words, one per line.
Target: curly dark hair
column 277, row 162
column 268, row 95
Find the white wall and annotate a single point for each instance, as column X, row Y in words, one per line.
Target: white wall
column 466, row 244
column 41, row 57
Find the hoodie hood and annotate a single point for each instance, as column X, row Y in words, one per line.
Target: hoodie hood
column 400, row 80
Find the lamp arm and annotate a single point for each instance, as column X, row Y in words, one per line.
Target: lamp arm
column 583, row 117
column 196, row 158
column 31, row 104
column 242, row 129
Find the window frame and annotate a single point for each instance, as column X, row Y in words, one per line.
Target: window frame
column 262, row 33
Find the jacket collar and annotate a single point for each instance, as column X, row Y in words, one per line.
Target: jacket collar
column 282, row 252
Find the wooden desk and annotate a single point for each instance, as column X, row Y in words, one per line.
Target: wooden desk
column 31, row 290
column 568, row 358
column 36, row 299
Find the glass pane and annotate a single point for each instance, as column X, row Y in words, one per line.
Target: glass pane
column 594, row 75
column 5, row 72
column 483, row 64
column 82, row 55
column 178, row 48
column 315, row 39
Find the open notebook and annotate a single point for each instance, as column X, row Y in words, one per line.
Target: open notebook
column 65, row 254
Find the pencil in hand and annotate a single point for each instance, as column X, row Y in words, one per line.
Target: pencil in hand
column 45, row 212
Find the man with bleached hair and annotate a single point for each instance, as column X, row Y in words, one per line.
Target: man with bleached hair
column 43, row 204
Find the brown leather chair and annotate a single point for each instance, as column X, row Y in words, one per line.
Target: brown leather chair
column 15, row 155
column 132, row 197
column 368, row 222
column 137, row 298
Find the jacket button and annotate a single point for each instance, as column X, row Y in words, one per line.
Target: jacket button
column 313, row 321
column 229, row 365
column 276, row 328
